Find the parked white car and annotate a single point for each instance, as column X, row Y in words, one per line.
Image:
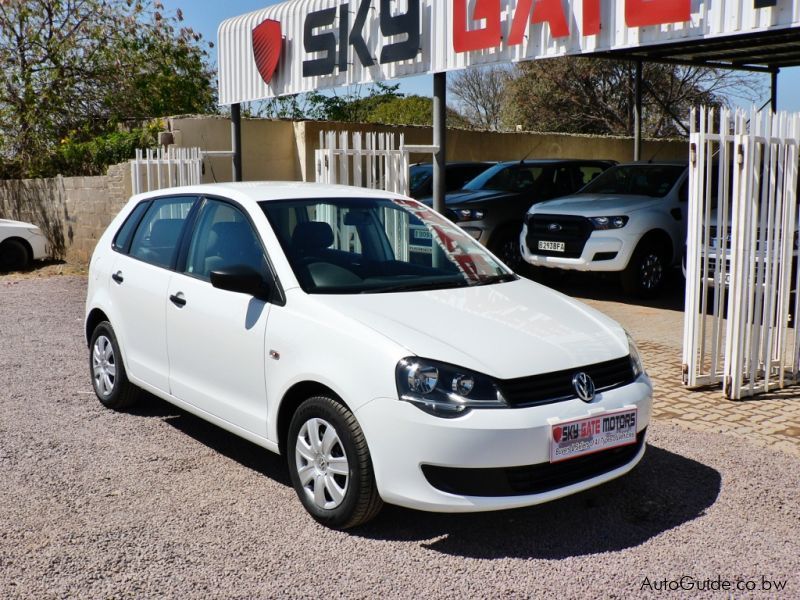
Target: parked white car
column 20, row 243
column 287, row 314
column 631, row 219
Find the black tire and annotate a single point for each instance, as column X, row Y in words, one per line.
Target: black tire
column 361, row 501
column 122, row 393
column 505, row 246
column 13, row 256
column 646, row 272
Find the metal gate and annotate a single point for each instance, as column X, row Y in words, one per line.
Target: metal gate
column 741, row 252
column 375, row 161
column 156, row 169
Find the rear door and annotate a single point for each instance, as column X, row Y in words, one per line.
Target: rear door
column 138, row 288
column 216, row 338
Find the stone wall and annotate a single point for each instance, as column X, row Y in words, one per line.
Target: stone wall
column 73, row 212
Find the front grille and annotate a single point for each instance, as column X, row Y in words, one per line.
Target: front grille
column 573, row 232
column 531, row 479
column 557, row 386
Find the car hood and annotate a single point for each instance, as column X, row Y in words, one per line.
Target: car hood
column 462, row 197
column 6, row 223
column 508, row 330
column 595, row 205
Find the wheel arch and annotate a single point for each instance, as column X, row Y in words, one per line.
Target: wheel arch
column 95, row 317
column 662, row 239
column 292, row 399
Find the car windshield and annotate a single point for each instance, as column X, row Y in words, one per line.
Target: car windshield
column 419, row 174
column 506, row 178
column 636, row 180
column 377, row 245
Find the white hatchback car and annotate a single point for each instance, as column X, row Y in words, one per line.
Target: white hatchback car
column 20, row 243
column 295, row 316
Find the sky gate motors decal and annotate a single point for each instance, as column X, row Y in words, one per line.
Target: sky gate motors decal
column 587, row 435
column 638, row 13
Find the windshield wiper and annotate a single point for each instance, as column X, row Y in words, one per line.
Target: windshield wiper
column 416, row 287
column 504, row 278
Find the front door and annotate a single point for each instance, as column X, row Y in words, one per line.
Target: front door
column 215, row 338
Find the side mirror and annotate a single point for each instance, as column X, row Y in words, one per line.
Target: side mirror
column 242, row 280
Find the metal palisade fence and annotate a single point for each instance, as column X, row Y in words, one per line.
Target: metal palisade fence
column 156, row 169
column 741, row 252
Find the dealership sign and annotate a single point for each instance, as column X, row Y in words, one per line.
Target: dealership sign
column 304, row 45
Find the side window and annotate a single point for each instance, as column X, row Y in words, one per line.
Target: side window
column 223, row 238
column 156, row 239
column 586, row 173
column 123, row 238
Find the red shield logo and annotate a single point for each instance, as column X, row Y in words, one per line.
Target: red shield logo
column 557, row 434
column 267, row 46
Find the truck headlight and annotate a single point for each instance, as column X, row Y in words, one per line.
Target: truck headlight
column 445, row 390
column 602, row 223
column 468, row 214
column 636, row 359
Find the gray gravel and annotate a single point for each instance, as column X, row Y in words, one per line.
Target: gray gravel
column 156, row 503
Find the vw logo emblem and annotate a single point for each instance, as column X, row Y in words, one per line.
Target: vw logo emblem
column 554, row 227
column 584, row 386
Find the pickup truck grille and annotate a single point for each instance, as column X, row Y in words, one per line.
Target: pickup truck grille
column 572, row 231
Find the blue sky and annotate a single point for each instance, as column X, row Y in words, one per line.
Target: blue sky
column 206, row 16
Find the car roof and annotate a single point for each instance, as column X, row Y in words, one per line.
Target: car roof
column 556, row 161
column 670, row 163
column 260, row 191
column 459, row 163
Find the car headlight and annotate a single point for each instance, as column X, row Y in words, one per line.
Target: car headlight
column 468, row 214
column 602, row 223
column 636, row 359
column 445, row 390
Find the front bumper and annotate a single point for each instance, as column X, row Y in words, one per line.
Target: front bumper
column 599, row 246
column 402, row 439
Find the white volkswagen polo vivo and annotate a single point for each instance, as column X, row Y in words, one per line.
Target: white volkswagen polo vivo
column 368, row 339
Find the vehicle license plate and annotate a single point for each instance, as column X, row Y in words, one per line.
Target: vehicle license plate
column 422, row 234
column 551, row 246
column 578, row 437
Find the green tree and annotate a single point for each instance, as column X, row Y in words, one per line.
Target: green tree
column 76, row 69
column 410, row 110
column 596, row 96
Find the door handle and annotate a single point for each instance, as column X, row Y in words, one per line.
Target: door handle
column 178, row 300
column 118, row 277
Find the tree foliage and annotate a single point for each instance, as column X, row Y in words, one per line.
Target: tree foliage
column 77, row 69
column 481, row 92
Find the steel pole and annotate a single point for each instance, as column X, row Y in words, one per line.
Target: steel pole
column 439, row 139
column 236, row 140
column 637, row 113
column 774, row 88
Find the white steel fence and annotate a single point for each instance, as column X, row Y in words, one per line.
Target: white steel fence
column 741, row 254
column 156, row 169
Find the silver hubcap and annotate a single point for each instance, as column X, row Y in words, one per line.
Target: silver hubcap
column 321, row 464
column 104, row 366
column 652, row 272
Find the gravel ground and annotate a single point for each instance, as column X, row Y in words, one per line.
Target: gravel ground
column 156, row 503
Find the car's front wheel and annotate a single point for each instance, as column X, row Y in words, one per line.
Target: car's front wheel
column 109, row 379
column 330, row 465
column 13, row 256
column 644, row 276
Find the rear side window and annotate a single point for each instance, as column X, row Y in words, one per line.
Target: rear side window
column 587, row 173
column 156, row 239
column 123, row 238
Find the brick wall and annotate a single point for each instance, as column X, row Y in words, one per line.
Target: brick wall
column 73, row 212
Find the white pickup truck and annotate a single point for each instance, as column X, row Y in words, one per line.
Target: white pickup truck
column 631, row 219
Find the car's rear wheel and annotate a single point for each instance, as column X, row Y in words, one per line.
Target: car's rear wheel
column 109, row 379
column 13, row 256
column 645, row 274
column 330, row 465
